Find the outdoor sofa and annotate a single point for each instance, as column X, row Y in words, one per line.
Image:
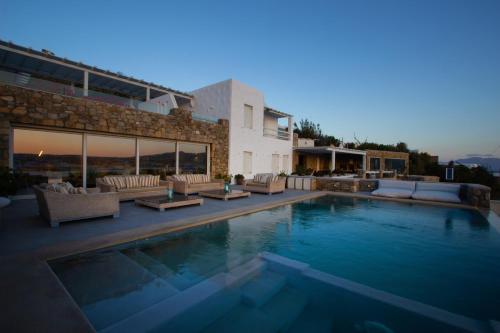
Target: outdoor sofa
column 394, row 189
column 437, row 192
column 56, row 204
column 194, row 183
column 266, row 183
column 130, row 187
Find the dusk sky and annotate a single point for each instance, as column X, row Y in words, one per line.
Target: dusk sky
column 423, row 72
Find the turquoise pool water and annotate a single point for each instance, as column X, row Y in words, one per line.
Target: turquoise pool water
column 445, row 257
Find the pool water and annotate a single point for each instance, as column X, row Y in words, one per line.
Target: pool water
column 445, row 257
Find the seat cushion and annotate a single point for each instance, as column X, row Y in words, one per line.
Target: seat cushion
column 256, row 184
column 436, row 196
column 392, row 193
column 262, row 178
column 439, row 187
column 396, row 184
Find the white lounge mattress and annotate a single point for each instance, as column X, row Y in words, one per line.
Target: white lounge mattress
column 393, row 193
column 436, row 196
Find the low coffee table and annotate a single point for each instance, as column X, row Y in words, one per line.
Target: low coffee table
column 161, row 202
column 220, row 194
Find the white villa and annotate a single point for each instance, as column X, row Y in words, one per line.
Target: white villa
column 260, row 138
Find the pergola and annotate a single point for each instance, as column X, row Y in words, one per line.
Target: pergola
column 332, row 152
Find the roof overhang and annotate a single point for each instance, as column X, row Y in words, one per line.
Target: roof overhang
column 328, row 150
column 276, row 113
column 22, row 58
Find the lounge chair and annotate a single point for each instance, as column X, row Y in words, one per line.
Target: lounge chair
column 437, row 192
column 394, row 189
column 266, row 183
column 60, row 206
column 195, row 183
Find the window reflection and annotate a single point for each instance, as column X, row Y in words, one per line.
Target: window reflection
column 156, row 157
column 40, row 156
column 109, row 155
column 395, row 164
column 192, row 158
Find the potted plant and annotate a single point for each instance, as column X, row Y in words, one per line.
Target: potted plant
column 283, row 174
column 239, row 179
column 8, row 183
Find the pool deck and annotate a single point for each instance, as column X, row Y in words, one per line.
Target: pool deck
column 33, row 299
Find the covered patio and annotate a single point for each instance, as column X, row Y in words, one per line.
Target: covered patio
column 330, row 159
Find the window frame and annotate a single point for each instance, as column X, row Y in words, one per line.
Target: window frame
column 245, row 125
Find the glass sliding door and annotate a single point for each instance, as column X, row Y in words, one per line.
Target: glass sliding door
column 41, row 156
column 157, row 157
column 109, row 155
column 192, row 158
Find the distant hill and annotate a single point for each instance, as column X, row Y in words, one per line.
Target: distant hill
column 491, row 163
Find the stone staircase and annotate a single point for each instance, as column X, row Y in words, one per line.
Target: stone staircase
column 236, row 297
column 266, row 294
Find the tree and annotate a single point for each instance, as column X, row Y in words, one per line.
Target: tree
column 307, row 129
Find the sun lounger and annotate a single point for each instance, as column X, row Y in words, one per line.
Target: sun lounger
column 394, row 189
column 437, row 192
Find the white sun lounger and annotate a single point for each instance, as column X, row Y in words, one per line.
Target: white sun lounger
column 394, row 189
column 437, row 192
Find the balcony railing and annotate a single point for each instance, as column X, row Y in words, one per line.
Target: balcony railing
column 279, row 133
column 26, row 81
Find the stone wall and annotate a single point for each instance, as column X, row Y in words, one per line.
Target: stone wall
column 476, row 195
column 382, row 154
column 350, row 185
column 19, row 106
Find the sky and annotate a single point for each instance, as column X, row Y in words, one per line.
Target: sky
column 423, row 72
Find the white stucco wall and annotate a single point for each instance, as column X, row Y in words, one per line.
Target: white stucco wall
column 226, row 100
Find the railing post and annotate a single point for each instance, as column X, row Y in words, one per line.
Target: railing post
column 85, row 83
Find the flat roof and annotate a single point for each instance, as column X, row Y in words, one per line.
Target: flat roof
column 328, row 150
column 7, row 49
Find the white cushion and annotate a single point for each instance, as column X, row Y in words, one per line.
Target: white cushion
column 392, row 193
column 440, row 187
column 436, row 196
column 399, row 184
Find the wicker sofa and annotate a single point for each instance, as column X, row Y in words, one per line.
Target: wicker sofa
column 189, row 184
column 266, row 183
column 56, row 207
column 130, row 187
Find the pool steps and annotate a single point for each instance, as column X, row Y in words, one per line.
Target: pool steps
column 257, row 295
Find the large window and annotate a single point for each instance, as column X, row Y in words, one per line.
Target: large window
column 43, row 156
column 247, row 163
column 395, row 164
column 156, row 157
column 109, row 155
column 248, row 116
column 374, row 164
column 192, row 158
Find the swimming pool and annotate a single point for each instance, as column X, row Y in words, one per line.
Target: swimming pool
column 444, row 257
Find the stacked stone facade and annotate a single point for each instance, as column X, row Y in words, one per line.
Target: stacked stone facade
column 383, row 154
column 24, row 107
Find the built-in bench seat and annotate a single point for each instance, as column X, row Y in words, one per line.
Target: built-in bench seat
column 418, row 190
